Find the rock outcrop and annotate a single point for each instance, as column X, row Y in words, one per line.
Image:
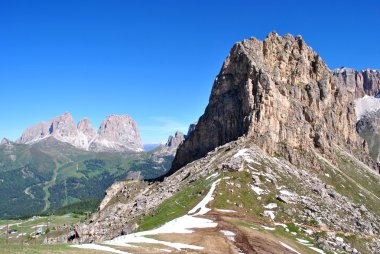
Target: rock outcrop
column 280, row 94
column 117, row 133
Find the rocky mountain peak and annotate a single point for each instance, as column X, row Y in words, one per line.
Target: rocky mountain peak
column 118, row 132
column 191, row 129
column 5, row 141
column 86, row 128
column 174, row 142
column 279, row 93
column 63, row 126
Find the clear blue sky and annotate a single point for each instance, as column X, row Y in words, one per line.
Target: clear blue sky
column 153, row 60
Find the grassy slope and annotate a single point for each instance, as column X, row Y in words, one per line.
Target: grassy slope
column 350, row 179
column 176, row 206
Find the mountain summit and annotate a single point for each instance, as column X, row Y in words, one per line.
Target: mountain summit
column 281, row 94
column 116, row 133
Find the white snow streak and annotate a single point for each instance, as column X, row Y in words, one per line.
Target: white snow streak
column 289, row 248
column 92, row 246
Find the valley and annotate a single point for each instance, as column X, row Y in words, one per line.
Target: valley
column 56, row 174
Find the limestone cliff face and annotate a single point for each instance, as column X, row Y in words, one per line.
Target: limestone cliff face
column 365, row 82
column 280, row 94
column 117, row 133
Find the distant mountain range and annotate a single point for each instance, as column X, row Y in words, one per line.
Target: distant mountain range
column 116, row 133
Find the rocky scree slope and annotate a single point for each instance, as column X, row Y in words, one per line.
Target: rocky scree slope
column 116, row 133
column 280, row 94
column 268, row 196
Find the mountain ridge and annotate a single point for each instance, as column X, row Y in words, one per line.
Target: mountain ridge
column 116, row 133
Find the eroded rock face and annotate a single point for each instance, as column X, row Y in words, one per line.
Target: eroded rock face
column 174, row 142
column 280, row 94
column 117, row 133
column 171, row 146
column 365, row 82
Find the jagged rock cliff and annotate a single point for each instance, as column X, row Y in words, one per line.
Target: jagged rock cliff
column 116, row 133
column 365, row 82
column 175, row 141
column 280, row 94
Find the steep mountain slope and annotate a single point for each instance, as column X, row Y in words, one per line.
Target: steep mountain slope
column 259, row 198
column 50, row 174
column 279, row 157
column 116, row 133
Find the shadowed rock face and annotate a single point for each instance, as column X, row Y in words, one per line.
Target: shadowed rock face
column 368, row 128
column 280, row 94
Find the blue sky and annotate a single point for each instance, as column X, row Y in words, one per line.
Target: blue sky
column 153, row 60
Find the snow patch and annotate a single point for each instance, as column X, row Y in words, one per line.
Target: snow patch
column 92, row 246
column 302, row 240
column 244, row 153
column 225, row 211
column 288, row 247
column 281, row 224
column 270, row 206
column 366, row 105
column 267, row 228
column 268, row 213
column 213, row 175
column 202, row 205
column 317, row 250
column 258, row 190
column 287, row 193
column 229, row 234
